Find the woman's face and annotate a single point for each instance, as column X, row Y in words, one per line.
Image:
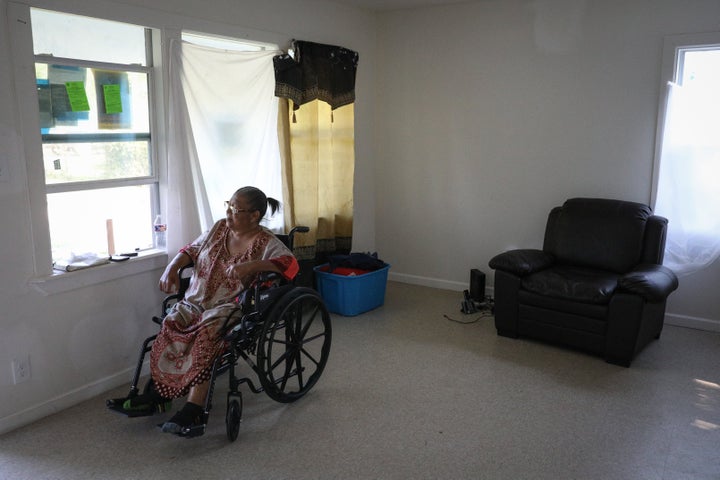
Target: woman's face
column 239, row 214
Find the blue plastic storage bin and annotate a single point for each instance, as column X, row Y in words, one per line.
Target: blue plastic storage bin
column 351, row 295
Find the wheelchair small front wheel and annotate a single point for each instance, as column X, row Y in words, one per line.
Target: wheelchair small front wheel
column 233, row 415
column 294, row 345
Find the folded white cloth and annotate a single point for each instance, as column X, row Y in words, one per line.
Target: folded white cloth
column 78, row 262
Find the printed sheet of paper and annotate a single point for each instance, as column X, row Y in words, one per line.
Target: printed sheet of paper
column 78, row 97
column 113, row 100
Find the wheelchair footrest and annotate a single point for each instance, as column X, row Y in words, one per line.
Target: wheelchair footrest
column 191, row 431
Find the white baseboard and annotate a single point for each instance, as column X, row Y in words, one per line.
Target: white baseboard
column 433, row 282
column 692, row 322
column 427, row 282
column 66, row 400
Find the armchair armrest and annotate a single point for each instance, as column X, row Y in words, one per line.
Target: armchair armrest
column 650, row 281
column 522, row 262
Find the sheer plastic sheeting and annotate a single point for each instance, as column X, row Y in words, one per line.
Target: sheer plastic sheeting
column 688, row 191
column 223, row 132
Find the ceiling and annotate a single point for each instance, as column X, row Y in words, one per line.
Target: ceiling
column 387, row 5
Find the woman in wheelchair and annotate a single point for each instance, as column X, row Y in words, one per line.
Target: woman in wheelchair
column 226, row 260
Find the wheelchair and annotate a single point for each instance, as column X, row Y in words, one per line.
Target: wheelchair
column 285, row 328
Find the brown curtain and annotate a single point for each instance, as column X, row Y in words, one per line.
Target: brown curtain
column 318, row 157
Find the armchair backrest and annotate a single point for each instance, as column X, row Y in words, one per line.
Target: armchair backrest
column 612, row 235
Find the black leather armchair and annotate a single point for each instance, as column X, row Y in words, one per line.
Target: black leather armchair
column 597, row 285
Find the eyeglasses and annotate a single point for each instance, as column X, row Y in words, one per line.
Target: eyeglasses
column 234, row 209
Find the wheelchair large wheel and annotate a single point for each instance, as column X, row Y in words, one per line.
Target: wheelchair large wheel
column 294, row 345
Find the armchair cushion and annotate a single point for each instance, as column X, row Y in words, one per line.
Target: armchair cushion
column 652, row 282
column 573, row 283
column 522, row 262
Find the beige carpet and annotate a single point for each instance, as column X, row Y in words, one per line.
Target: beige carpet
column 408, row 394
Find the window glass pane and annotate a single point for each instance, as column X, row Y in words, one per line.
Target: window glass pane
column 78, row 220
column 695, row 131
column 700, row 80
column 72, row 36
column 701, row 69
column 81, row 162
column 75, row 100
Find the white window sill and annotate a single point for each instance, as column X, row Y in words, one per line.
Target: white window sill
column 60, row 282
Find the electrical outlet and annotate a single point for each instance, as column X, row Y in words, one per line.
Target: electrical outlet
column 21, row 369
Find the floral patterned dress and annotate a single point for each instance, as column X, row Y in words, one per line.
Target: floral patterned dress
column 184, row 351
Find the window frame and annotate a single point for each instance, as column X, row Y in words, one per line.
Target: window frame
column 43, row 277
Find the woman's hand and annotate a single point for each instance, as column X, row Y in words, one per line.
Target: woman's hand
column 245, row 271
column 170, row 279
column 240, row 271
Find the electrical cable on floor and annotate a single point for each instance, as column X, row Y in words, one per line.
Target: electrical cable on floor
column 485, row 309
column 483, row 315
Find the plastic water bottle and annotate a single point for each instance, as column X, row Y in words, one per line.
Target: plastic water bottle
column 159, row 233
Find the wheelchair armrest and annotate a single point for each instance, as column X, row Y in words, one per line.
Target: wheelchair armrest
column 166, row 304
column 650, row 281
column 263, row 281
column 233, row 324
column 268, row 276
column 522, row 262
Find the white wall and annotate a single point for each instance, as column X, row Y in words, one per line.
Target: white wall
column 490, row 113
column 83, row 342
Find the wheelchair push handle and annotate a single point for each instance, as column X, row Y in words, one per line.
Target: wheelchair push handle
column 289, row 238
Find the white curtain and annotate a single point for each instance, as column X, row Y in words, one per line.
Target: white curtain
column 688, row 191
column 222, row 135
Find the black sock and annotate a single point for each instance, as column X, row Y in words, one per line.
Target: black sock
column 189, row 414
column 192, row 409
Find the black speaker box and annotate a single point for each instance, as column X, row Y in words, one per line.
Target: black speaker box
column 477, row 285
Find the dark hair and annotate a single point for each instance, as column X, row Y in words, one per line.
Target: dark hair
column 257, row 200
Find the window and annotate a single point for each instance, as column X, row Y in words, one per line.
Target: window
column 688, row 151
column 94, row 87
